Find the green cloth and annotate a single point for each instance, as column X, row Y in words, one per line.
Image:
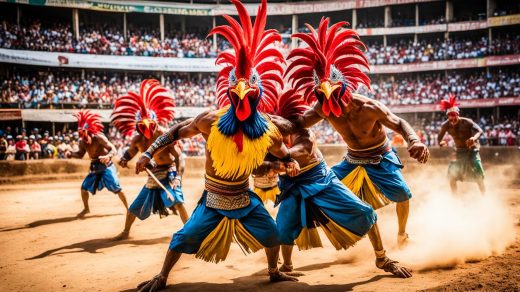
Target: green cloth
column 467, row 167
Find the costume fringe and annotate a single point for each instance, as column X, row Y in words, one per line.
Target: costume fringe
column 308, row 238
column 267, row 194
column 215, row 246
column 339, row 236
column 362, row 186
column 228, row 162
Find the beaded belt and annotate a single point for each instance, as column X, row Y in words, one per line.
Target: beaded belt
column 372, row 155
column 160, row 172
column 265, row 182
column 226, row 196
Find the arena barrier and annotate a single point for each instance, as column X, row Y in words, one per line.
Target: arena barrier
column 39, row 170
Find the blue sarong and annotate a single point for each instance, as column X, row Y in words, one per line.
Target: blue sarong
column 153, row 198
column 317, row 198
column 209, row 231
column 101, row 176
column 377, row 184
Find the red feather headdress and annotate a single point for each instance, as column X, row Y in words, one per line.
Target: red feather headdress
column 450, row 105
column 153, row 103
column 89, row 122
column 332, row 56
column 252, row 56
column 291, row 104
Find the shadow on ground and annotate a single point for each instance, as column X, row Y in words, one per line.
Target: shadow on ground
column 94, row 245
column 54, row 221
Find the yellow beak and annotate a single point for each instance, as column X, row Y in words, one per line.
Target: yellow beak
column 327, row 89
column 145, row 122
column 241, row 89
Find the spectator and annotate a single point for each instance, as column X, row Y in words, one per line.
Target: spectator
column 22, row 148
column 11, row 148
column 35, row 148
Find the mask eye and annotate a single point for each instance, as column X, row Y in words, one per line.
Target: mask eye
column 254, row 77
column 316, row 79
column 232, row 77
column 335, row 75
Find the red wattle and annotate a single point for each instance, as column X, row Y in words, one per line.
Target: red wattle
column 238, row 138
column 243, row 110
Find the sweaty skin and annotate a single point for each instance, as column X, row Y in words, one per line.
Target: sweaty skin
column 361, row 125
column 171, row 154
column 99, row 148
column 465, row 133
column 202, row 125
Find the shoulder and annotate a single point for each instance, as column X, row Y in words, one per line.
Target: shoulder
column 445, row 124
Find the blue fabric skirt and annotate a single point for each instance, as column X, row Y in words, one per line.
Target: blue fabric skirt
column 100, row 177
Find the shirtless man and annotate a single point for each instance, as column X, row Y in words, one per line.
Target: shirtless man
column 140, row 114
column 315, row 197
column 238, row 137
column 466, row 134
column 327, row 72
column 103, row 173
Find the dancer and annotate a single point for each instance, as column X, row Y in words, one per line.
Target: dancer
column 102, row 173
column 327, row 72
column 143, row 113
column 238, row 135
column 315, row 197
column 466, row 134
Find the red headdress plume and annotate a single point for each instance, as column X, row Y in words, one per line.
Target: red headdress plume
column 143, row 110
column 89, row 122
column 291, row 104
column 328, row 70
column 252, row 73
column 450, row 105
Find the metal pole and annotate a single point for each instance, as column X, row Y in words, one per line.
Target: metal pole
column 161, row 26
column 294, row 42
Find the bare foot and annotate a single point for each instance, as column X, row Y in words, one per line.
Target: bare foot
column 122, row 236
column 289, row 270
column 155, row 284
column 279, row 277
column 83, row 213
column 392, row 266
column 402, row 240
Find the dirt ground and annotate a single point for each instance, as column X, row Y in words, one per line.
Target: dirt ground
column 43, row 247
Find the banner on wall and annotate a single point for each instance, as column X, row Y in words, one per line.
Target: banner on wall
column 213, row 9
column 69, row 60
column 469, row 103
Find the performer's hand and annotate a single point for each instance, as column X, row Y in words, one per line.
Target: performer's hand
column 292, row 168
column 142, row 163
column 471, row 142
column 175, row 183
column 419, row 151
column 443, row 143
column 123, row 163
column 105, row 159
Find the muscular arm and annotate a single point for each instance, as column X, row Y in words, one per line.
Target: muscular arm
column 442, row 133
column 112, row 150
column 383, row 115
column 302, row 147
column 308, row 119
column 132, row 150
column 393, row 122
column 82, row 149
column 180, row 162
column 182, row 130
column 477, row 129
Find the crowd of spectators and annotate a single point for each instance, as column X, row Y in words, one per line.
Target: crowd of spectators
column 428, row 89
column 19, row 144
column 408, row 51
column 58, row 37
column 54, row 89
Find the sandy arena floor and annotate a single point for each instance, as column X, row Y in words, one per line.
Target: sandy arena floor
column 459, row 244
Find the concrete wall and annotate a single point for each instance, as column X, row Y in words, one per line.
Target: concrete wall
column 195, row 165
